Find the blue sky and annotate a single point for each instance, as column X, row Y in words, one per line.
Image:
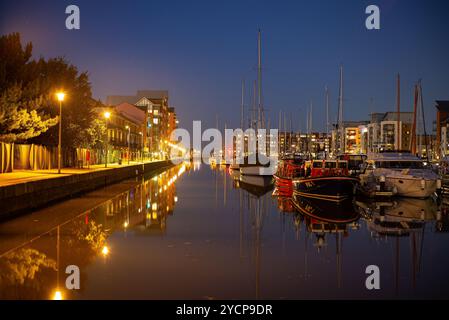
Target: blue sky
column 201, row 50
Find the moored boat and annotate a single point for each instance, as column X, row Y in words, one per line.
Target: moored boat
column 326, row 180
column 401, row 172
column 355, row 162
column 288, row 169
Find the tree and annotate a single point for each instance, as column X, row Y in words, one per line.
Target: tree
column 96, row 133
column 19, row 119
column 29, row 111
column 13, row 60
column 21, row 114
column 78, row 107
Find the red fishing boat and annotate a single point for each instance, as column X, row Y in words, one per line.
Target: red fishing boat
column 288, row 169
column 327, row 180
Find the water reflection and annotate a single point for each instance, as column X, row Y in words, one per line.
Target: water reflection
column 32, row 270
column 386, row 221
column 254, row 204
column 214, row 234
column 402, row 218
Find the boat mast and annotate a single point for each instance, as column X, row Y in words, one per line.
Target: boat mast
column 426, row 141
column 259, row 80
column 307, row 129
column 340, row 114
column 285, row 134
column 413, row 140
column 398, row 107
column 253, row 113
column 280, row 127
column 310, row 127
column 327, row 110
column 242, row 114
column 291, row 132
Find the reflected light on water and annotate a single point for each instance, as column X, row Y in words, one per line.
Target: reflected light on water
column 261, row 245
column 57, row 295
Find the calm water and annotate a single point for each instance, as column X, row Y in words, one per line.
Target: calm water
column 196, row 233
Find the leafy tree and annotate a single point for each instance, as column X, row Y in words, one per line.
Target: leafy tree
column 28, row 108
column 78, row 107
column 21, row 116
column 96, row 133
column 19, row 119
column 13, row 60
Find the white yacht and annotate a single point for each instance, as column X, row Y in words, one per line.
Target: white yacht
column 402, row 172
column 268, row 168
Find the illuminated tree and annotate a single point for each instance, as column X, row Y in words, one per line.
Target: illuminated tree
column 21, row 119
column 21, row 113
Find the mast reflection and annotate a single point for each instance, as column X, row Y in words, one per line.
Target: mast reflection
column 400, row 219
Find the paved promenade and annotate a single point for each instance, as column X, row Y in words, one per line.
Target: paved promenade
column 21, row 176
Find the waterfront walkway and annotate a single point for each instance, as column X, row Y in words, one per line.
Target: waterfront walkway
column 24, row 191
column 21, row 176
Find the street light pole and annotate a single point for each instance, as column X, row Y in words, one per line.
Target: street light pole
column 60, row 96
column 141, row 146
column 107, row 115
column 129, row 138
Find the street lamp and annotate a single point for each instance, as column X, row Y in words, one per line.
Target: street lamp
column 60, row 96
column 107, row 115
column 129, row 138
column 105, row 251
column 141, row 141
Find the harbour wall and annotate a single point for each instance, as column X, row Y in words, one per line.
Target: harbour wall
column 23, row 197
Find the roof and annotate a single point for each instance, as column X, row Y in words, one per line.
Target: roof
column 393, row 156
column 131, row 112
column 442, row 105
column 354, row 124
column 114, row 100
column 152, row 94
column 405, row 117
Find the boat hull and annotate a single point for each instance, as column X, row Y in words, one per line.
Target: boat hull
column 284, row 185
column 257, row 171
column 256, row 185
column 326, row 188
column 413, row 187
column 330, row 212
column 405, row 185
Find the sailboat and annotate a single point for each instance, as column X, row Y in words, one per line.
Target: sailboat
column 263, row 165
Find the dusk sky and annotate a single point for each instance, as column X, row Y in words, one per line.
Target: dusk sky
column 201, row 50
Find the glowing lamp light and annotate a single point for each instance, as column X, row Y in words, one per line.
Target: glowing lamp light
column 105, row 251
column 107, row 114
column 125, row 224
column 60, row 96
column 57, row 295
